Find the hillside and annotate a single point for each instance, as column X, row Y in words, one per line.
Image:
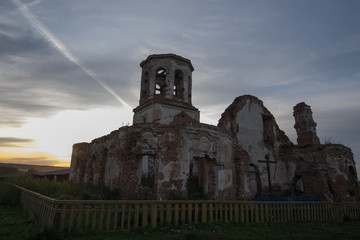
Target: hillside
column 13, row 168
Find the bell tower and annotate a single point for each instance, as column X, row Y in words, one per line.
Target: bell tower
column 165, row 93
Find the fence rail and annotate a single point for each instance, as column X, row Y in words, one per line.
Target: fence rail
column 109, row 215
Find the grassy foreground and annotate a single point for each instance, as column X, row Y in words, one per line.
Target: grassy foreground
column 15, row 224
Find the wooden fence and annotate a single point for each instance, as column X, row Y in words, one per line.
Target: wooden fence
column 106, row 215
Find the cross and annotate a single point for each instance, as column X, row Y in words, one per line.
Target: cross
column 267, row 158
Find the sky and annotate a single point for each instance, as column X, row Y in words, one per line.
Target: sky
column 69, row 70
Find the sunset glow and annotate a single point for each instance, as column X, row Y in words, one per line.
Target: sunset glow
column 70, row 69
column 49, row 141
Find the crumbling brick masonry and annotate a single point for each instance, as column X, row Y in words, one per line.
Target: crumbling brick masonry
column 168, row 152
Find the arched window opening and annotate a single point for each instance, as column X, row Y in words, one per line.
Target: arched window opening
column 160, row 83
column 148, row 170
column 268, row 132
column 161, row 73
column 352, row 170
column 158, row 89
column 179, row 83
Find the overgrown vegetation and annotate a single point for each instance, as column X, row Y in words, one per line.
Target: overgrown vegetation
column 330, row 141
column 196, row 191
column 9, row 196
column 7, row 170
column 68, row 191
column 15, row 224
column 65, row 190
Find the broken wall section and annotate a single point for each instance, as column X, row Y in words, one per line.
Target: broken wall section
column 257, row 133
column 108, row 160
column 305, row 125
column 165, row 158
column 323, row 171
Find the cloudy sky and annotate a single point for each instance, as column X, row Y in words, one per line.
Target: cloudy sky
column 69, row 70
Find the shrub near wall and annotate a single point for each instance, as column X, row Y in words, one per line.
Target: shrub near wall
column 9, row 196
column 64, row 190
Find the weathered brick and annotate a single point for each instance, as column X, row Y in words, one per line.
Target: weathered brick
column 168, row 152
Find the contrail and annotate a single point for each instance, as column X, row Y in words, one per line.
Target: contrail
column 30, row 4
column 40, row 28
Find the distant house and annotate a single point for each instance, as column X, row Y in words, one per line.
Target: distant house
column 58, row 175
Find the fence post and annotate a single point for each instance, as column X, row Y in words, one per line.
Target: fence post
column 183, row 208
column 262, row 212
column 62, row 219
column 308, row 211
column 176, row 214
column 94, row 213
column 79, row 218
column 226, row 215
column 54, row 221
column 267, row 212
column 136, row 217
column 71, row 221
column 317, row 211
column 236, row 212
column 221, row 214
column 168, row 214
column 109, row 208
column 101, row 220
column 122, row 224
column 211, row 213
column 116, row 214
column 216, row 212
column 153, row 215
column 161, row 214
column 203, row 213
column 144, row 215
column 196, row 212
column 247, row 217
column 189, row 213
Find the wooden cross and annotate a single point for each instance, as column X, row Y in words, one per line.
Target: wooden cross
column 267, row 158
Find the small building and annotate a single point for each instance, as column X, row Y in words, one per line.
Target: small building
column 57, row 175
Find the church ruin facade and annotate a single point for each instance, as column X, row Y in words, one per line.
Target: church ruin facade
column 168, row 152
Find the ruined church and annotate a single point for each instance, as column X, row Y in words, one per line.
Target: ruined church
column 168, row 152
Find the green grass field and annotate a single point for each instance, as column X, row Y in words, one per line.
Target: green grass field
column 15, row 224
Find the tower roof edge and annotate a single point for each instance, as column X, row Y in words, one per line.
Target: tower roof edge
column 167, row 55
